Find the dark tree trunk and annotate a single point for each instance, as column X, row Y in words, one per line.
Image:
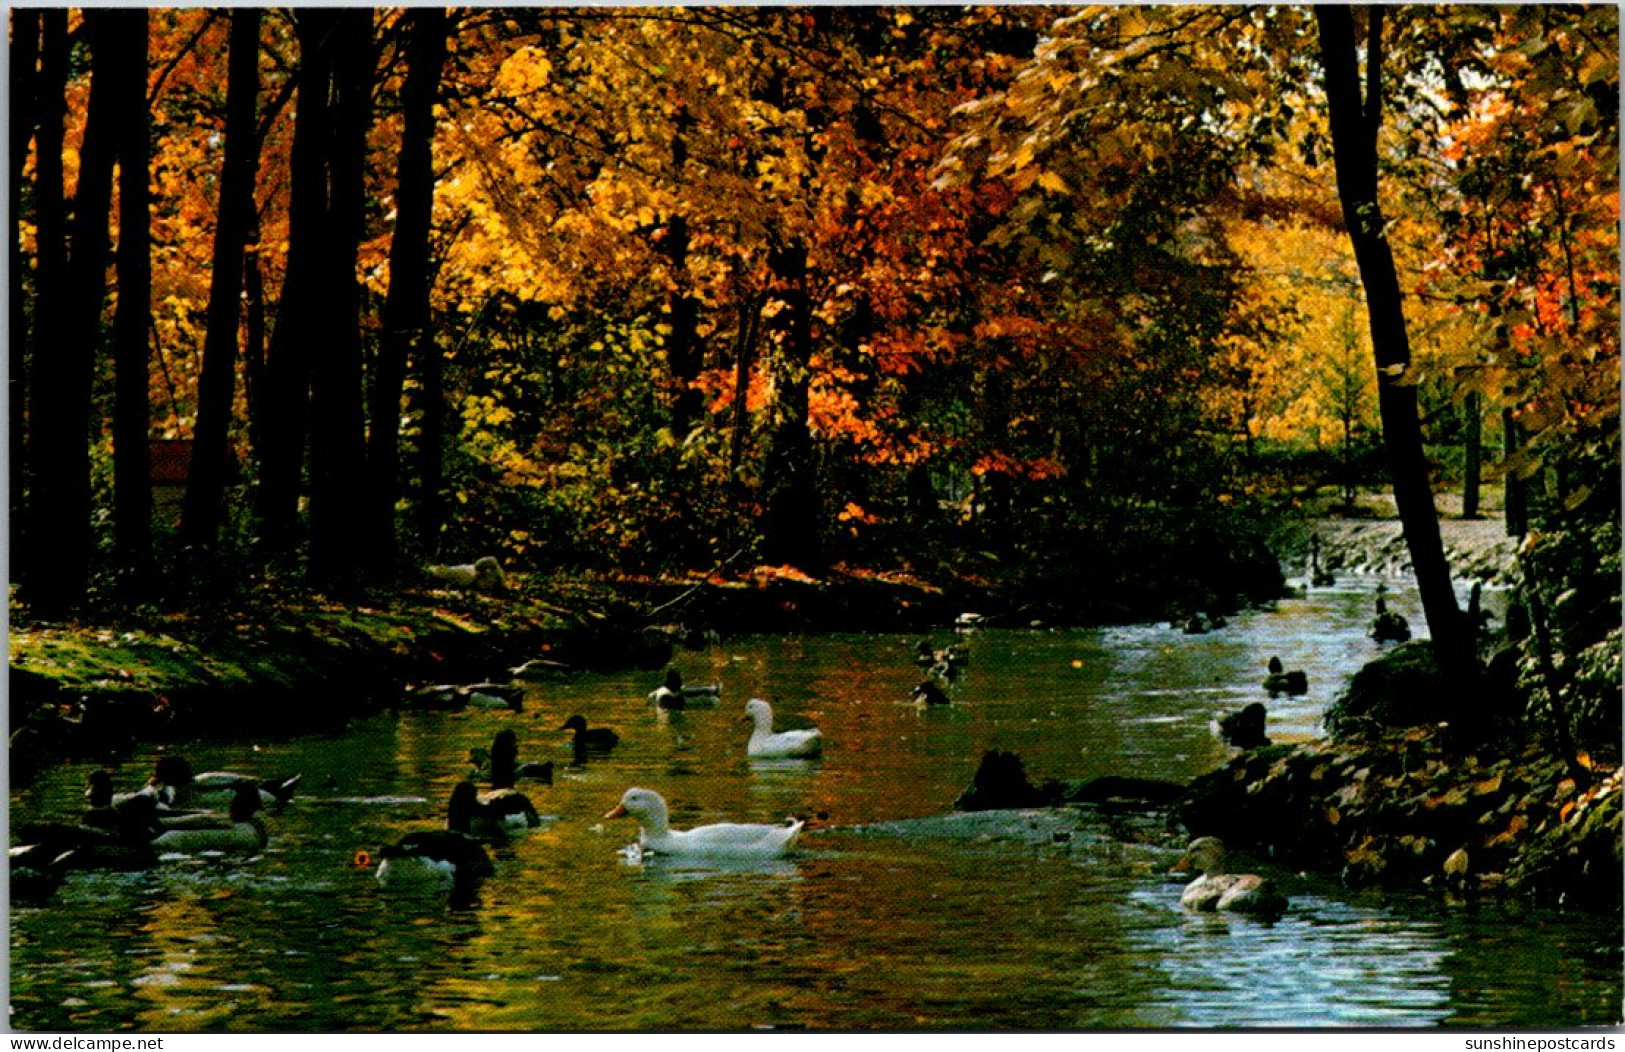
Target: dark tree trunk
column 299, row 309
column 204, row 511
column 254, row 382
column 431, row 440
column 406, row 309
column 338, row 452
column 995, row 521
column 1351, row 478
column 750, row 319
column 1516, row 498
column 132, row 458
column 683, row 349
column 285, row 405
column 50, row 292
column 59, row 492
column 23, row 83
column 1354, row 125
column 1472, row 455
column 793, row 515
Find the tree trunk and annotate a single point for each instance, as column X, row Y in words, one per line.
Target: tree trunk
column 59, row 490
column 1516, row 498
column 23, row 84
column 431, row 440
column 285, row 404
column 254, row 381
column 994, row 523
column 406, row 308
column 338, row 452
column 1354, row 126
column 1351, row 481
column 793, row 516
column 683, row 355
column 1472, row 455
column 750, row 319
column 683, row 350
column 204, row 510
column 132, row 457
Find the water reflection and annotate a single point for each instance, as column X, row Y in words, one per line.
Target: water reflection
column 894, row 913
column 1326, row 963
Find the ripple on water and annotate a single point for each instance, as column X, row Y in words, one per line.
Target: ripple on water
column 895, row 913
column 1325, row 963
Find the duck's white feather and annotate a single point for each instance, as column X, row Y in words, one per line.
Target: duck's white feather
column 722, row 840
column 765, row 743
column 416, row 871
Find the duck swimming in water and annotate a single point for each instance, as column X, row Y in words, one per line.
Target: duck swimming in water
column 1282, row 681
column 493, row 815
column 502, row 765
column 590, row 739
column 1389, row 627
column 239, row 832
column 1217, row 890
column 765, row 743
column 437, row 857
column 723, row 840
column 674, row 694
column 180, row 787
column 124, row 844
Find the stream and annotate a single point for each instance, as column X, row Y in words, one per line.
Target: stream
column 893, row 914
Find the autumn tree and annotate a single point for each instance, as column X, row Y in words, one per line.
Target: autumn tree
column 406, row 334
column 127, row 36
column 211, row 451
column 284, row 404
column 338, row 486
column 22, row 87
column 72, row 286
column 1354, row 125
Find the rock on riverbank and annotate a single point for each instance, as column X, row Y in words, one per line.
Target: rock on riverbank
column 1404, row 809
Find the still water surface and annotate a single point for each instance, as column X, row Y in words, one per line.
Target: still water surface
column 895, row 914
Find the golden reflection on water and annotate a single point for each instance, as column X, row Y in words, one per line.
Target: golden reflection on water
column 912, row 926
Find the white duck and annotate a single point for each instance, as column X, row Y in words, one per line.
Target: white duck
column 724, row 840
column 1216, row 890
column 765, row 743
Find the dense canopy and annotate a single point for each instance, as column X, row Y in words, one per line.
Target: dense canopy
column 943, row 289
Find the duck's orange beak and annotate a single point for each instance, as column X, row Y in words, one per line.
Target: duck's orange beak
column 618, row 812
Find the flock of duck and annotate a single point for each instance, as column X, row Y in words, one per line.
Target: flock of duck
column 1244, row 728
column 181, row 812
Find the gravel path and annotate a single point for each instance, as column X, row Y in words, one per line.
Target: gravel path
column 1478, row 549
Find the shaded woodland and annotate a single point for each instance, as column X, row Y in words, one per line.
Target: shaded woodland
column 1088, row 305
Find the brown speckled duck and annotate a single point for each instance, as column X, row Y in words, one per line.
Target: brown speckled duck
column 1217, row 890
